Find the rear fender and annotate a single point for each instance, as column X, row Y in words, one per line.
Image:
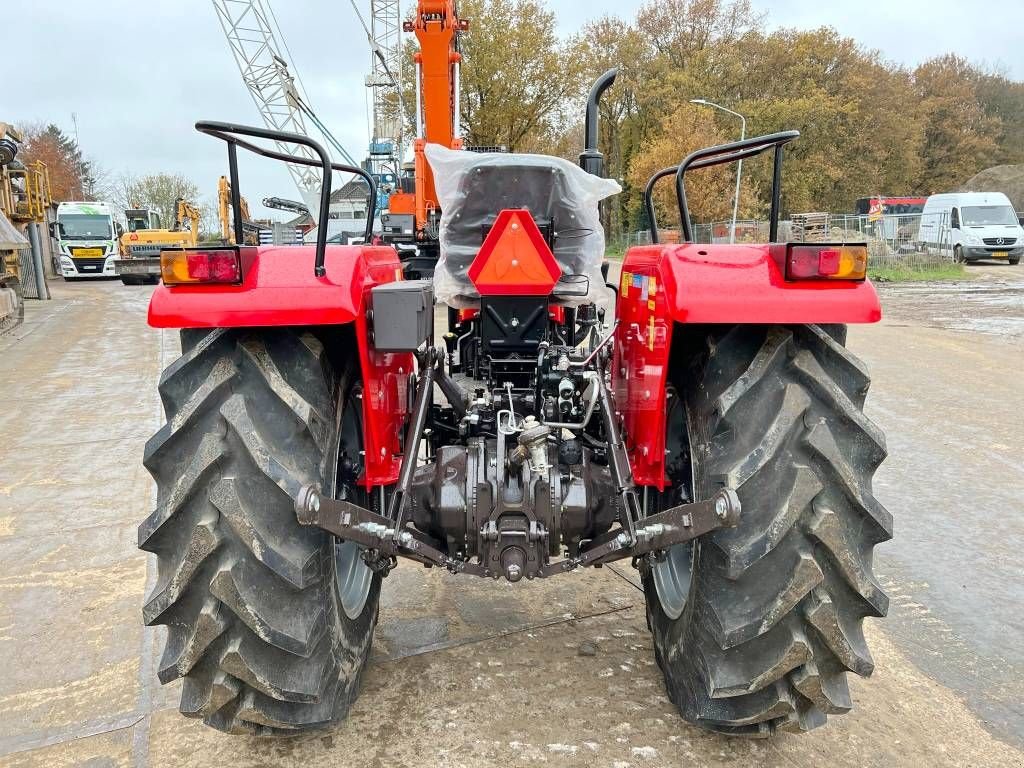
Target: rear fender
column 279, row 288
column 665, row 285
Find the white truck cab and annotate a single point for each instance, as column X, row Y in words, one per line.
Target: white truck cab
column 977, row 225
column 86, row 236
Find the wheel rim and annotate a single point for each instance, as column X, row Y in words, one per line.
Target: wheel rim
column 672, row 578
column 353, row 578
column 673, row 574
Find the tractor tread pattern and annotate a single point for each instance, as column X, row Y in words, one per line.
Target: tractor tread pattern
column 246, row 593
column 776, row 412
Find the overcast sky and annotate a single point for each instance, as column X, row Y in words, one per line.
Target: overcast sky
column 139, row 74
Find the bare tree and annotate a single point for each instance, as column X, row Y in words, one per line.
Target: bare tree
column 157, row 191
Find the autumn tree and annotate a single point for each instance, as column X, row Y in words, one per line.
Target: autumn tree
column 158, row 192
column 518, row 78
column 709, row 192
column 72, row 177
column 1002, row 100
column 959, row 137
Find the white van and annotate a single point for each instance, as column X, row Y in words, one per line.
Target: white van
column 86, row 235
column 976, row 225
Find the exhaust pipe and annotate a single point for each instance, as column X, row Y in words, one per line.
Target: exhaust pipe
column 591, row 159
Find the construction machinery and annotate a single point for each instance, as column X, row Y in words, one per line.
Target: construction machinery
column 229, row 228
column 413, row 218
column 24, row 200
column 700, row 417
column 12, row 241
column 141, row 244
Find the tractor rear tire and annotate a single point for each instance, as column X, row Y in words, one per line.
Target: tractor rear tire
column 268, row 624
column 755, row 627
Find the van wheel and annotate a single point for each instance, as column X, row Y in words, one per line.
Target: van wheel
column 958, row 255
column 1015, row 261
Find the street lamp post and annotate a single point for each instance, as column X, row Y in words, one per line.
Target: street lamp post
column 739, row 163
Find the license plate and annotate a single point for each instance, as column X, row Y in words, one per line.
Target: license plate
column 89, row 268
column 1000, row 255
column 88, row 253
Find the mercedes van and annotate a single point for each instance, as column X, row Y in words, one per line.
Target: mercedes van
column 976, row 225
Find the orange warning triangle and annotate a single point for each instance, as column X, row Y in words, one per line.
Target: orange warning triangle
column 514, row 259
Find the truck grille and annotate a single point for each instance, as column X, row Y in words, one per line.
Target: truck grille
column 999, row 240
column 89, row 265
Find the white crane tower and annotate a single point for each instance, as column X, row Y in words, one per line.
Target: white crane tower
column 385, row 38
column 281, row 101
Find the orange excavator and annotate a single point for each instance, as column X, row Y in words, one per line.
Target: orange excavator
column 413, row 218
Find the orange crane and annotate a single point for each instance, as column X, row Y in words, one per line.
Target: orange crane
column 437, row 27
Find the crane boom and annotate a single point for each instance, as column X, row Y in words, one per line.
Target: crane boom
column 246, row 24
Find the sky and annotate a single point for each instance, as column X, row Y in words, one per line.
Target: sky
column 137, row 75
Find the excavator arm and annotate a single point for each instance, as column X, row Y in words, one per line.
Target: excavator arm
column 437, row 26
column 224, row 214
column 187, row 212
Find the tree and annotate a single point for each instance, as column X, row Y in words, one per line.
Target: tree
column 959, row 137
column 708, row 192
column 518, row 79
column 71, row 176
column 680, row 29
column 158, row 192
column 1002, row 99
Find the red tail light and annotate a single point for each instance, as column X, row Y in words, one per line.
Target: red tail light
column 200, row 266
column 514, row 260
column 826, row 261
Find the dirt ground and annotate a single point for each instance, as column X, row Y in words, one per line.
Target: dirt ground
column 468, row 673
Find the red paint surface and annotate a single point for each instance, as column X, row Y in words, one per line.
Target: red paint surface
column 279, row 289
column 705, row 284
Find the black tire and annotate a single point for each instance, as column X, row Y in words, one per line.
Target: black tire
column 1015, row 261
column 958, row 255
column 250, row 598
column 131, row 280
column 758, row 634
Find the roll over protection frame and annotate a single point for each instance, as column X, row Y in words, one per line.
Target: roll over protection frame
column 719, row 155
column 229, row 132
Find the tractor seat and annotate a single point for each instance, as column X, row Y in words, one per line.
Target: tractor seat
column 475, row 187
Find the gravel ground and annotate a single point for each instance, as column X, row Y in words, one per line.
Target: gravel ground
column 468, row 673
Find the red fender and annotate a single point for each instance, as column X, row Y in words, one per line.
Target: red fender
column 279, row 289
column 662, row 285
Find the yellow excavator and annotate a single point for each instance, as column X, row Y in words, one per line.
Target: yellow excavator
column 251, row 231
column 145, row 238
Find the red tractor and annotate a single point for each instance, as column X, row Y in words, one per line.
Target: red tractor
column 711, row 431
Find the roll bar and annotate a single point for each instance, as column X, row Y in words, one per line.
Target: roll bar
column 229, row 132
column 718, row 155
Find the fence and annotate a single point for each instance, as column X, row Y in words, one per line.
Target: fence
column 894, row 240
